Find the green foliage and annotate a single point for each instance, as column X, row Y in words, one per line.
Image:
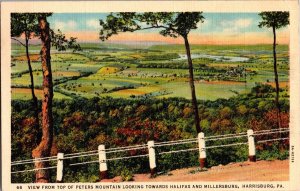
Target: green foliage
column 25, row 22
column 82, row 124
column 128, row 167
column 60, row 42
column 262, row 90
column 126, row 175
column 242, row 109
column 205, row 124
column 273, row 152
column 225, row 155
column 276, row 19
column 226, row 112
column 80, row 173
column 171, row 24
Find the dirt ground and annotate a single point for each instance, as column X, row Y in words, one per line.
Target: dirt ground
column 243, row 171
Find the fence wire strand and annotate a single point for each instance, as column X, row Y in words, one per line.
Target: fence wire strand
column 268, row 130
column 269, row 140
column 223, row 138
column 79, row 156
column 227, row 145
column 227, row 135
column 35, row 169
column 123, row 150
column 183, row 140
column 178, row 151
column 30, row 162
column 178, row 143
column 87, row 162
column 127, row 147
column 34, row 160
column 269, row 133
column 80, row 153
column 120, row 158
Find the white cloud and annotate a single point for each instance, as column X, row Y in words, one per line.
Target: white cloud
column 93, row 23
column 243, row 23
column 143, row 24
column 59, row 25
column 69, row 25
column 235, row 25
column 204, row 24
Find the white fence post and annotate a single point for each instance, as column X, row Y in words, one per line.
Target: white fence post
column 102, row 162
column 251, row 144
column 60, row 167
column 152, row 160
column 202, row 150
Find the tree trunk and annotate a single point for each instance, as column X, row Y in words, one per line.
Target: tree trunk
column 191, row 80
column 34, row 98
column 44, row 148
column 276, row 79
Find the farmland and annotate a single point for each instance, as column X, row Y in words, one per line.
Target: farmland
column 158, row 71
column 121, row 95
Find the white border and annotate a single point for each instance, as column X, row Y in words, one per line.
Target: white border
column 157, row 6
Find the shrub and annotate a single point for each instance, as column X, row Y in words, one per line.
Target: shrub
column 126, row 175
column 82, row 124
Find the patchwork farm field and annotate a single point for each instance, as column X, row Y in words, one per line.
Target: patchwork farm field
column 159, row 71
column 25, row 93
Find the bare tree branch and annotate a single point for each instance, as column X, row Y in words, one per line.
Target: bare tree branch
column 18, row 41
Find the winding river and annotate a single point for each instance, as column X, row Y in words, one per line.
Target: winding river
column 217, row 58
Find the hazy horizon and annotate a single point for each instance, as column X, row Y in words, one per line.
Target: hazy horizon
column 217, row 28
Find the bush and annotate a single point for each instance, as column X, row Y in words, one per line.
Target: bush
column 273, row 152
column 82, row 124
column 126, row 175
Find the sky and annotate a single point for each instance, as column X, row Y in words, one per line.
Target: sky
column 217, row 28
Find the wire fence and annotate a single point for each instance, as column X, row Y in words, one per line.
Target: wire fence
column 166, row 144
column 175, row 143
column 225, row 145
column 125, row 149
column 34, row 160
column 183, row 140
column 271, row 132
column 81, row 163
column 269, row 140
column 129, row 157
column 79, row 153
column 178, row 151
column 35, row 169
column 223, row 138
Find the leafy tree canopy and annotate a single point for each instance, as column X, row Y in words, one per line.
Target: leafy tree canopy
column 61, row 43
column 25, row 23
column 172, row 24
column 275, row 19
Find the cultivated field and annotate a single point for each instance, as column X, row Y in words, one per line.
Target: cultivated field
column 159, row 71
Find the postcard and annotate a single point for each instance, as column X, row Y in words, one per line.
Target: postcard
column 150, row 95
